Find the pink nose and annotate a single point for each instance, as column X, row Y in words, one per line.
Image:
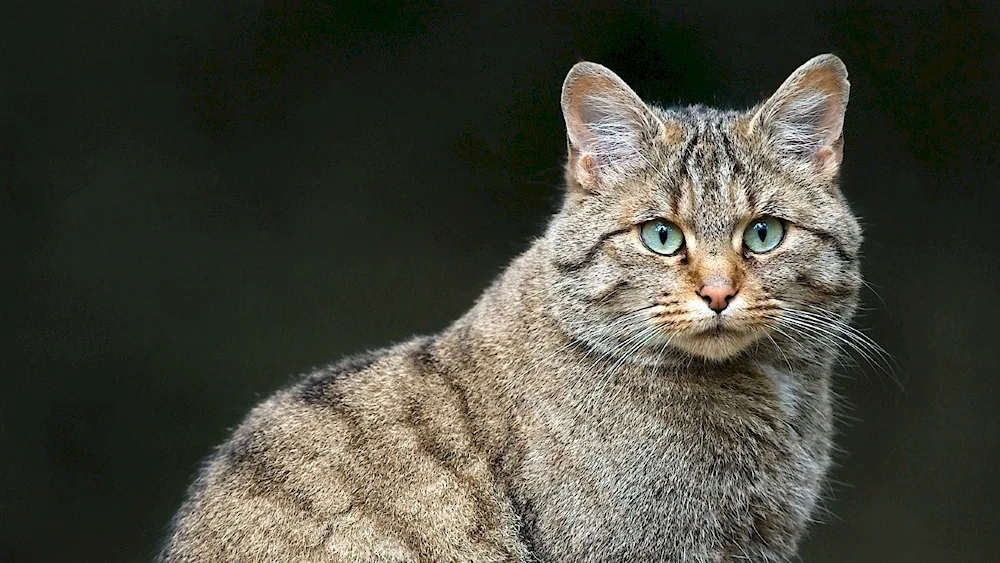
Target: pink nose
column 717, row 294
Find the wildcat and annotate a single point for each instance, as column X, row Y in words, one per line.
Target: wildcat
column 650, row 380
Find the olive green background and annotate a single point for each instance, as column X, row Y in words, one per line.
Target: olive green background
column 201, row 199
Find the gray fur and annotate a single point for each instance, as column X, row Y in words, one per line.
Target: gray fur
column 584, row 410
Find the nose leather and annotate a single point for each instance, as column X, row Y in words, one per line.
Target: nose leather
column 717, row 294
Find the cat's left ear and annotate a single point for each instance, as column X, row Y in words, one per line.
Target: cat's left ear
column 804, row 120
column 609, row 128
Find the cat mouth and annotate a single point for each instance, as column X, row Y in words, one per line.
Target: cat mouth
column 720, row 327
column 718, row 340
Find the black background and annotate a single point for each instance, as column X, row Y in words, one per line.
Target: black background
column 206, row 197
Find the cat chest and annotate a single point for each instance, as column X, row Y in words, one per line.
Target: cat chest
column 620, row 487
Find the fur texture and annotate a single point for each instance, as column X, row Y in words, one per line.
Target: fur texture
column 591, row 406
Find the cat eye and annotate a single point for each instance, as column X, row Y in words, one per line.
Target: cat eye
column 763, row 234
column 661, row 236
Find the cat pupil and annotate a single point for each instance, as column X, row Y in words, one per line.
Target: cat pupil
column 664, row 233
column 762, row 231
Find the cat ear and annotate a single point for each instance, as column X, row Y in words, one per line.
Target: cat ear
column 610, row 129
column 804, row 119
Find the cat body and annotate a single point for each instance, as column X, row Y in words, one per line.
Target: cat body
column 610, row 397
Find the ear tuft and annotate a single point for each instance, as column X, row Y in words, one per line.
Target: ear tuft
column 804, row 119
column 608, row 126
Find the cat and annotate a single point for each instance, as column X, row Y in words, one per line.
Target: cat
column 649, row 381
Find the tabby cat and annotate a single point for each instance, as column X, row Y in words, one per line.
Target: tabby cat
column 649, row 381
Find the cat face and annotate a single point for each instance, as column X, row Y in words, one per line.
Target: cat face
column 702, row 232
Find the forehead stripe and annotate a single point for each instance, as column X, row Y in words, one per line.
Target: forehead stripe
column 689, row 152
column 727, row 145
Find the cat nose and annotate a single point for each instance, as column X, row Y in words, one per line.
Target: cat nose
column 717, row 294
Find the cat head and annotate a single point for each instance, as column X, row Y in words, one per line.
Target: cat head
column 701, row 232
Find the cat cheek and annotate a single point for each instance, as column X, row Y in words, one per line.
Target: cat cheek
column 605, row 291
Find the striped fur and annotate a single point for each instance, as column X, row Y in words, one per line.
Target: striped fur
column 590, row 406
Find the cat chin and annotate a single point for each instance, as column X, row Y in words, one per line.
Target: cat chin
column 717, row 346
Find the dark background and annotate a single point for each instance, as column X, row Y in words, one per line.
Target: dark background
column 203, row 198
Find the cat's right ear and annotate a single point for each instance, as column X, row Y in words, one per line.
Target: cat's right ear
column 609, row 128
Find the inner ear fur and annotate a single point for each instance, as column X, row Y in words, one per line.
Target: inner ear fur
column 609, row 128
column 804, row 120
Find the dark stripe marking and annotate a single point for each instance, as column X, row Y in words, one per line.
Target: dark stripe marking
column 319, row 388
column 841, row 291
column 568, row 267
column 727, row 145
column 689, row 151
column 833, row 241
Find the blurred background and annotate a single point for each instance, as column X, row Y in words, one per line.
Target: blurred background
column 201, row 199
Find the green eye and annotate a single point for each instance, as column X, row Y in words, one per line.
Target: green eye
column 763, row 234
column 662, row 236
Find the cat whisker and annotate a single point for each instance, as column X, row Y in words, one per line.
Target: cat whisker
column 836, row 334
column 634, row 342
column 782, row 352
column 834, row 321
column 828, row 319
column 826, row 342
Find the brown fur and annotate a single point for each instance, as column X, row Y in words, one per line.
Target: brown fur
column 589, row 407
